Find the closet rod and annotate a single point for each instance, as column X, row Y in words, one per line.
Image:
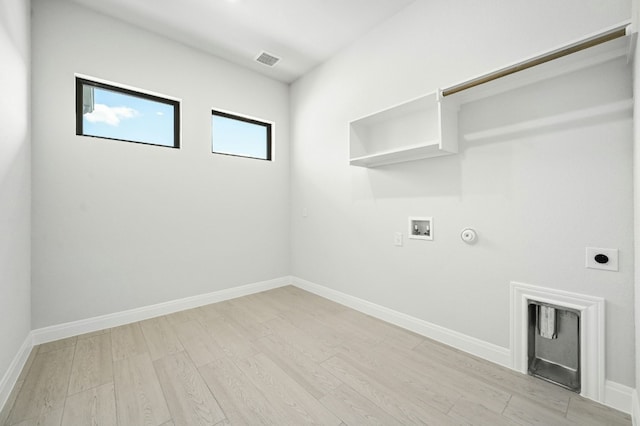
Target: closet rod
column 602, row 38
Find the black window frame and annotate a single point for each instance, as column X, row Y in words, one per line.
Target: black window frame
column 82, row 81
column 267, row 125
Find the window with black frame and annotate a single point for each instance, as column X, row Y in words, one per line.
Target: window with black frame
column 111, row 112
column 240, row 136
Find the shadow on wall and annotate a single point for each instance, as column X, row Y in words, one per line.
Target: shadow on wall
column 422, row 178
column 14, row 85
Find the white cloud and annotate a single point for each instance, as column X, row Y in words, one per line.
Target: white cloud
column 159, row 113
column 110, row 115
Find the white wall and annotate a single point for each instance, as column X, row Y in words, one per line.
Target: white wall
column 15, row 186
column 536, row 201
column 119, row 225
column 636, row 198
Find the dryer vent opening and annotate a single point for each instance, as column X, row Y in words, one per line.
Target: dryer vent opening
column 554, row 344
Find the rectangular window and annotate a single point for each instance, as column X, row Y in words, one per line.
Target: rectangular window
column 240, row 136
column 111, row 112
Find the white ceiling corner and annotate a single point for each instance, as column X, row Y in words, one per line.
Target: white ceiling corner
column 304, row 33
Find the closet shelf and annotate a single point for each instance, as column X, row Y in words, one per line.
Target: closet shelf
column 399, row 155
column 427, row 126
column 490, row 84
column 420, row 128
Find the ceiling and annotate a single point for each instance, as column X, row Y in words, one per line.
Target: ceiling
column 303, row 33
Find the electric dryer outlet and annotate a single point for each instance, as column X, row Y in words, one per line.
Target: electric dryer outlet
column 602, row 258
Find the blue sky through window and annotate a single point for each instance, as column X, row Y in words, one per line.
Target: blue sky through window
column 237, row 137
column 122, row 116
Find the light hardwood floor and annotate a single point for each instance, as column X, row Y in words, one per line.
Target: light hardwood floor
column 282, row 357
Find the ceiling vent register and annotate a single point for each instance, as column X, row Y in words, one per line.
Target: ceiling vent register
column 267, row 59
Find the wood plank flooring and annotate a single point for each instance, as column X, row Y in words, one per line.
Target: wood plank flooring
column 282, row 357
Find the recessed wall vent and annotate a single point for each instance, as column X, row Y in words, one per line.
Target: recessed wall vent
column 267, row 59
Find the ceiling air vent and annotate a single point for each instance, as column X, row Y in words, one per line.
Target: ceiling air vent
column 267, row 59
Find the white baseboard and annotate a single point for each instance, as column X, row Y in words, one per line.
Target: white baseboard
column 615, row 395
column 75, row 328
column 13, row 372
column 494, row 353
column 618, row 396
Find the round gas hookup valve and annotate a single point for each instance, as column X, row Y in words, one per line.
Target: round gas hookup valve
column 468, row 235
